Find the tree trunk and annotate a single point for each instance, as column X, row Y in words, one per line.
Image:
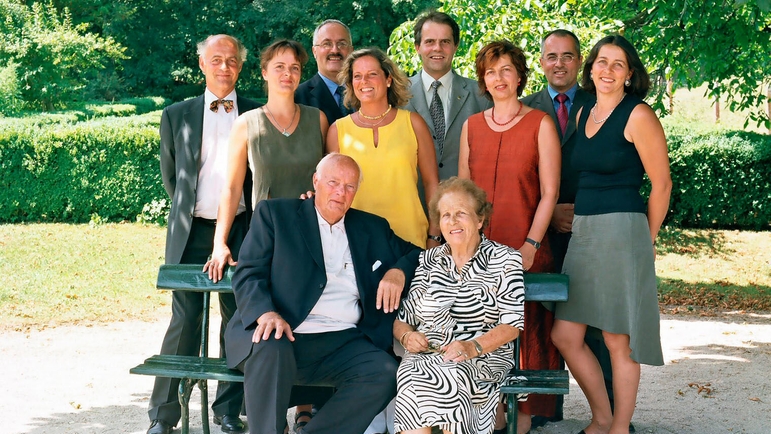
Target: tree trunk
column 768, row 105
column 717, row 109
column 671, row 96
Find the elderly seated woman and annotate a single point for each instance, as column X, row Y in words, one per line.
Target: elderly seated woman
column 459, row 321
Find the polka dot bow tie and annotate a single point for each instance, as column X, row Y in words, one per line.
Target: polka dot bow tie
column 227, row 103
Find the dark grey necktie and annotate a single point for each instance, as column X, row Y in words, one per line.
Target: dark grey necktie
column 339, row 97
column 437, row 117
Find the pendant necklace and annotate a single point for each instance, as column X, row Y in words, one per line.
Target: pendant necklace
column 284, row 132
column 606, row 117
column 508, row 121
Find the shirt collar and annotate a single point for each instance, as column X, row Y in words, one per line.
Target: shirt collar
column 208, row 97
column 427, row 80
column 331, row 85
column 571, row 93
column 323, row 225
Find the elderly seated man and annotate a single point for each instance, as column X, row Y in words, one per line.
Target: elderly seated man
column 317, row 288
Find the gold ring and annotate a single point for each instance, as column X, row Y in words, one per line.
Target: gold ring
column 459, row 353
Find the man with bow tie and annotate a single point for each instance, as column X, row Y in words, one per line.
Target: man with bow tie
column 318, row 285
column 194, row 146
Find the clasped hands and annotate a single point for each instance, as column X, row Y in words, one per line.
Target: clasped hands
column 455, row 351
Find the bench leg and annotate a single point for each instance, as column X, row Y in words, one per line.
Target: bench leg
column 511, row 414
column 203, row 386
column 185, row 390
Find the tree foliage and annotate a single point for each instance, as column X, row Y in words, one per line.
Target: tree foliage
column 724, row 43
column 56, row 58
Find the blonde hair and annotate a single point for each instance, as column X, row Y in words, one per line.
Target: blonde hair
column 399, row 92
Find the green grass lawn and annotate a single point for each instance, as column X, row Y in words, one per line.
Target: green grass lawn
column 63, row 274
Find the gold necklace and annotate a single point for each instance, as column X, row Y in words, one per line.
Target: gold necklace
column 606, row 117
column 376, row 123
column 374, row 118
column 284, row 132
column 508, row 121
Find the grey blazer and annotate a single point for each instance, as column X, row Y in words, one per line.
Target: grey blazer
column 181, row 134
column 542, row 101
column 466, row 101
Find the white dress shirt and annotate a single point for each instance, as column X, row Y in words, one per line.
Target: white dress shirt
column 214, row 157
column 339, row 307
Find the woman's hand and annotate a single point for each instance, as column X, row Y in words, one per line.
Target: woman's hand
column 459, row 351
column 215, row 266
column 415, row 342
column 528, row 255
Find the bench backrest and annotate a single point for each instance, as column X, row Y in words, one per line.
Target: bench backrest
column 543, row 287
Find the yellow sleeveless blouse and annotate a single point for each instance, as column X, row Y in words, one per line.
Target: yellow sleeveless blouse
column 390, row 185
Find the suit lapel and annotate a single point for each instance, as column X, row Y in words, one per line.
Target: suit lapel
column 308, row 226
column 418, row 101
column 459, row 94
column 358, row 242
column 320, row 91
column 194, row 118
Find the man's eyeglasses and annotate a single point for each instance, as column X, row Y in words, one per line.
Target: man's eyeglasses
column 327, row 45
column 567, row 59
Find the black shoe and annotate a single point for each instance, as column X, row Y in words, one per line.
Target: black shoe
column 230, row 423
column 631, row 428
column 159, row 427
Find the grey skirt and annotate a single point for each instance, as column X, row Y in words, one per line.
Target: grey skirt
column 613, row 281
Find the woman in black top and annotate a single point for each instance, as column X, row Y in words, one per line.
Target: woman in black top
column 610, row 257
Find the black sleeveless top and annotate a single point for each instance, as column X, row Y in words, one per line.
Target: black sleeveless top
column 610, row 170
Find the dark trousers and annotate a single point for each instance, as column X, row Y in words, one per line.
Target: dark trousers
column 559, row 247
column 364, row 377
column 183, row 337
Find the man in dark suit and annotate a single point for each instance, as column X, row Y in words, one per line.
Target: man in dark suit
column 194, row 145
column 317, row 287
column 331, row 45
column 561, row 60
column 437, row 36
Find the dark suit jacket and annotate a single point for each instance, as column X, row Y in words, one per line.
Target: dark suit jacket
column 542, row 101
column 315, row 93
column 466, row 101
column 281, row 269
column 181, row 135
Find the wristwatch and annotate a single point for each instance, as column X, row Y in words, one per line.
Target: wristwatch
column 535, row 243
column 437, row 238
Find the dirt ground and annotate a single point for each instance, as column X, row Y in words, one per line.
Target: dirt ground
column 75, row 379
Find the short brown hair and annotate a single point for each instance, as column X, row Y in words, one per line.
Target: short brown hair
column 484, row 209
column 490, row 54
column 640, row 80
column 399, row 92
column 272, row 50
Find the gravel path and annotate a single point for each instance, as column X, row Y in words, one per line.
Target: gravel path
column 74, row 379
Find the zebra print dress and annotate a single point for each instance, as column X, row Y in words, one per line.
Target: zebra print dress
column 447, row 305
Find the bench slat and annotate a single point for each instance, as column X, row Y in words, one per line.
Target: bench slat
column 192, row 367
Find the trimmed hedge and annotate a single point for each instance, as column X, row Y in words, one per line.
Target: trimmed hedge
column 103, row 170
column 721, row 180
column 107, row 169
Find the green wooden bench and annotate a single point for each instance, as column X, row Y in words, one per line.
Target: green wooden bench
column 196, row 370
column 539, row 287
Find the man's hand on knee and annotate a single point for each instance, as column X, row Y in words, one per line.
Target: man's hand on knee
column 271, row 322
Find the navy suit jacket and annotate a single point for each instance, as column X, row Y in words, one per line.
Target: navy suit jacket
column 542, row 101
column 181, row 136
column 315, row 93
column 281, row 269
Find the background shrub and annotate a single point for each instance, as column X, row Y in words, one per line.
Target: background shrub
column 105, row 170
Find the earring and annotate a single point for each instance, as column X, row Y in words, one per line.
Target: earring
column 627, row 83
column 591, row 76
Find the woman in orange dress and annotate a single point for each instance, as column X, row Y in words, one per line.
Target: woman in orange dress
column 513, row 152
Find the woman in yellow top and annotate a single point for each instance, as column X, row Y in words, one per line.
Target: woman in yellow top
column 389, row 144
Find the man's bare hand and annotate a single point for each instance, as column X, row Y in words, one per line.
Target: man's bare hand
column 271, row 322
column 389, row 292
column 562, row 218
column 215, row 266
